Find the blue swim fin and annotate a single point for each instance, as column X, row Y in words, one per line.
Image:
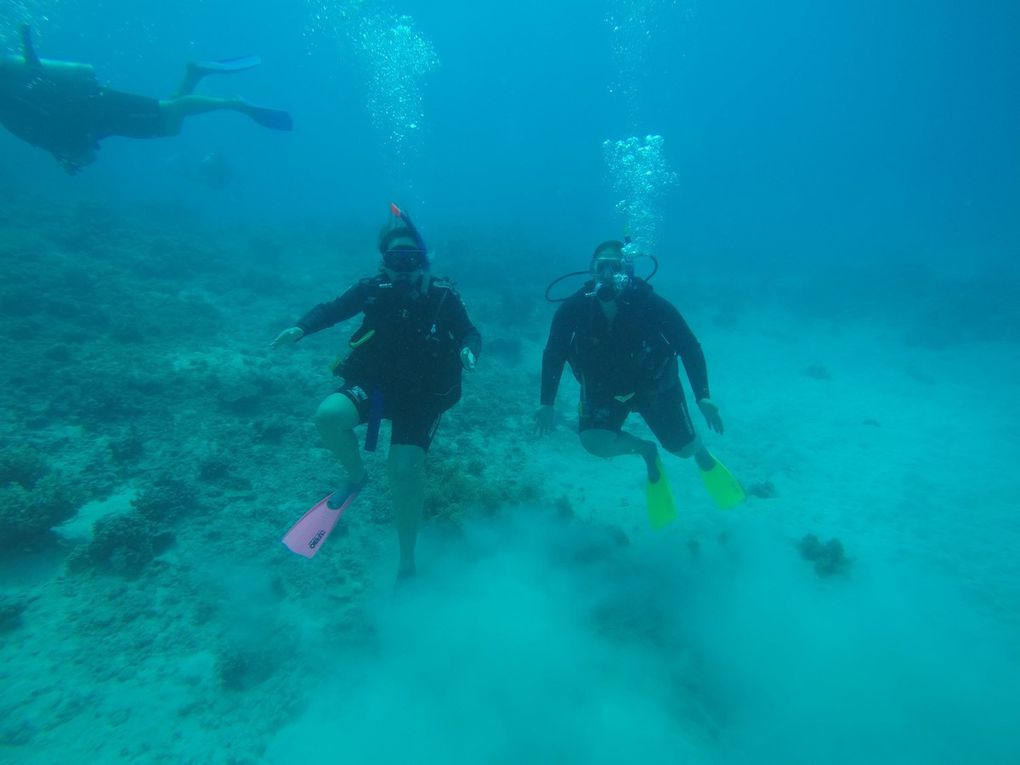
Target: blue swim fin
column 228, row 65
column 274, row 119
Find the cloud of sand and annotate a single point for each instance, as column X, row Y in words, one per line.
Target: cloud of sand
column 534, row 640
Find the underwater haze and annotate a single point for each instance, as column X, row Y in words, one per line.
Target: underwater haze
column 831, row 194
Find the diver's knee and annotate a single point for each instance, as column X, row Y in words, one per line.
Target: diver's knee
column 335, row 413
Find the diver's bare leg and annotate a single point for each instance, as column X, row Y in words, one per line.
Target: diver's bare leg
column 407, row 482
column 696, row 449
column 176, row 110
column 611, row 443
column 336, row 419
column 193, row 75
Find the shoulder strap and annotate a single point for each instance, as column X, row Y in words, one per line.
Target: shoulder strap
column 447, row 288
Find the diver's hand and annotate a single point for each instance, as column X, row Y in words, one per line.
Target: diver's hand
column 711, row 411
column 545, row 419
column 467, row 359
column 288, row 336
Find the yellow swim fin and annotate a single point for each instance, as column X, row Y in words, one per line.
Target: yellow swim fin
column 661, row 507
column 722, row 486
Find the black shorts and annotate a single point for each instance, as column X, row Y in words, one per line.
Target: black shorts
column 415, row 417
column 114, row 112
column 665, row 412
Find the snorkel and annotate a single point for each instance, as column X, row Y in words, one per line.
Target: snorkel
column 405, row 264
column 404, row 218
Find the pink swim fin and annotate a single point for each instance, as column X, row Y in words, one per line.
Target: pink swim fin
column 307, row 535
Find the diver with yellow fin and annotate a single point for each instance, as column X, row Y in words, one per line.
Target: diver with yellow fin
column 622, row 342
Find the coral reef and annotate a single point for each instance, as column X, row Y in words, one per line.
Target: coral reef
column 272, row 429
column 22, row 466
column 456, row 486
column 762, row 489
column 241, row 668
column 829, row 559
column 122, row 544
column 11, row 609
column 126, row 449
column 166, row 500
column 27, row 514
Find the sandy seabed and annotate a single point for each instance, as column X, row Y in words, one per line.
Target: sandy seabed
column 162, row 621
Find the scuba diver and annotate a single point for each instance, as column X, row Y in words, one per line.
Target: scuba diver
column 405, row 366
column 212, row 169
column 622, row 342
column 60, row 106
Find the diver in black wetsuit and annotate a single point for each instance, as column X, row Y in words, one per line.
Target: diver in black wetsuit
column 405, row 366
column 60, row 106
column 622, row 342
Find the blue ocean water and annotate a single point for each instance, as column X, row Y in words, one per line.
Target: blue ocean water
column 832, row 194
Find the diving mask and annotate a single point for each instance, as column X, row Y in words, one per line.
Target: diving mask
column 613, row 275
column 404, row 259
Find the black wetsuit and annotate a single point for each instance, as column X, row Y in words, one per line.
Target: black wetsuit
column 67, row 114
column 629, row 366
column 407, row 349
